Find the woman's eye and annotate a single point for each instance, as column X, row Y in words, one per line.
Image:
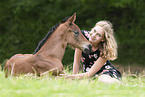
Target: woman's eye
column 94, row 30
column 99, row 35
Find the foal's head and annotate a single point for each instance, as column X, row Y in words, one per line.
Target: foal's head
column 73, row 35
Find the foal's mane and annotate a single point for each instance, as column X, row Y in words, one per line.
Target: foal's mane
column 51, row 30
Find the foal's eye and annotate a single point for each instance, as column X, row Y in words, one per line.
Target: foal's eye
column 76, row 32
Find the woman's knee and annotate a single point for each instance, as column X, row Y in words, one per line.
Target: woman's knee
column 105, row 78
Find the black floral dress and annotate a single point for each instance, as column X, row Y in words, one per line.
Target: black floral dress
column 88, row 60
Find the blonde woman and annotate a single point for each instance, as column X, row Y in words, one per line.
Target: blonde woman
column 104, row 48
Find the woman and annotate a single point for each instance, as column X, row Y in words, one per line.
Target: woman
column 104, row 48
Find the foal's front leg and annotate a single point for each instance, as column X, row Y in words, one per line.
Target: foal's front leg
column 51, row 66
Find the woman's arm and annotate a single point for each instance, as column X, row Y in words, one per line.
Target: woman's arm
column 77, row 58
column 95, row 68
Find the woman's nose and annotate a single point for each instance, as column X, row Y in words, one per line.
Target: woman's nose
column 93, row 35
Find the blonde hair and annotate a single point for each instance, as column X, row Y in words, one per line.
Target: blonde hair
column 108, row 48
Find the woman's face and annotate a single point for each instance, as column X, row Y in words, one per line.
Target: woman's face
column 96, row 35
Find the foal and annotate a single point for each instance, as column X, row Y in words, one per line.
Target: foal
column 49, row 53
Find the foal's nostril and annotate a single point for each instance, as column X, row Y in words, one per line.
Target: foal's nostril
column 90, row 47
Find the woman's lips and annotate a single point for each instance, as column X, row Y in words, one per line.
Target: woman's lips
column 92, row 38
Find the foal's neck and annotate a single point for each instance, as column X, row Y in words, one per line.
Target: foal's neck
column 54, row 46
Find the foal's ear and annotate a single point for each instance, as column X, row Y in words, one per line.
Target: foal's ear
column 72, row 18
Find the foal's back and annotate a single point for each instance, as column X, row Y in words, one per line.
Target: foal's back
column 19, row 63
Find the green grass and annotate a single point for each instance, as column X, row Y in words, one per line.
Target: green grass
column 31, row 86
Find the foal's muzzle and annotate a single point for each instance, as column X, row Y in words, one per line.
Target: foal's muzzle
column 88, row 49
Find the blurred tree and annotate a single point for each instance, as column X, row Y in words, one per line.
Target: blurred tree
column 23, row 23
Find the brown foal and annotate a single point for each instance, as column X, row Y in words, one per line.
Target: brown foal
column 50, row 54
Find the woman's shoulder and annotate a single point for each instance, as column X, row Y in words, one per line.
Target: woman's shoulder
column 85, row 33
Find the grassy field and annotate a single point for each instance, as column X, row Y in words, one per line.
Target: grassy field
column 31, row 86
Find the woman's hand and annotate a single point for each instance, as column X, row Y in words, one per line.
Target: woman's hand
column 68, row 76
column 76, row 76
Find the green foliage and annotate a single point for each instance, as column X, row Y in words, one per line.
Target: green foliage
column 23, row 23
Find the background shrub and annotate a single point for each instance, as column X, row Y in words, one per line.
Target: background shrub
column 23, row 23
